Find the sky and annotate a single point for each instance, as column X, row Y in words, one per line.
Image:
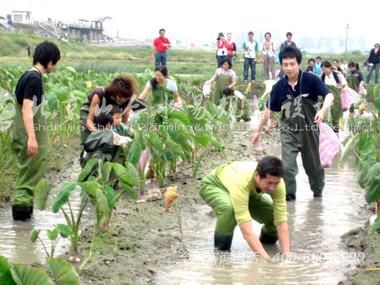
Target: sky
column 202, row 20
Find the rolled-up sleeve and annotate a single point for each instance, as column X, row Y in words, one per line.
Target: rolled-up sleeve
column 280, row 212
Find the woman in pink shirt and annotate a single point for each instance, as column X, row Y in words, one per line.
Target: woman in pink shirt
column 221, row 49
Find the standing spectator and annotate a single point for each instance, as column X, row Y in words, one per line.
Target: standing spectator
column 159, row 49
column 373, row 63
column 310, row 65
column 289, row 41
column 355, row 78
column 231, row 47
column 335, row 66
column 250, row 48
column 344, row 67
column 269, row 54
column 221, row 49
column 317, row 68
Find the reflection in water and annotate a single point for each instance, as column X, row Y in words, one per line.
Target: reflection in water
column 14, row 236
column 316, row 226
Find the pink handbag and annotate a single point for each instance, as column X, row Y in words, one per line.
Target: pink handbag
column 329, row 145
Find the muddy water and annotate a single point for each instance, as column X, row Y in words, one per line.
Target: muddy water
column 316, row 226
column 14, row 236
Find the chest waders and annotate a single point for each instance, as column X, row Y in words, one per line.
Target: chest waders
column 215, row 194
column 29, row 169
column 222, row 82
column 299, row 133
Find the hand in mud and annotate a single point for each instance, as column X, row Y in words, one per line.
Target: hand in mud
column 32, row 147
column 255, row 138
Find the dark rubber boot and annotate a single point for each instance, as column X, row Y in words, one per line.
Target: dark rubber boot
column 264, row 238
column 22, row 213
column 222, row 242
column 290, row 197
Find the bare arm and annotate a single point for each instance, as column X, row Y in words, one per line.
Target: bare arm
column 329, row 99
column 95, row 102
column 283, row 236
column 252, row 240
column 27, row 117
column 144, row 94
column 177, row 98
column 263, row 120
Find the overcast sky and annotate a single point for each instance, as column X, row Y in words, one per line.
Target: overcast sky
column 203, row 19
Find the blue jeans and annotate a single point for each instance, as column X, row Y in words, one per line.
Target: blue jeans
column 249, row 63
column 375, row 67
column 160, row 59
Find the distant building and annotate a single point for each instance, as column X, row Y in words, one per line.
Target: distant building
column 20, row 17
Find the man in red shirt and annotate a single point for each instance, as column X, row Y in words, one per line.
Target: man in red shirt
column 159, row 48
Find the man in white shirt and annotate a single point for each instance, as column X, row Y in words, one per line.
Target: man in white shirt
column 250, row 48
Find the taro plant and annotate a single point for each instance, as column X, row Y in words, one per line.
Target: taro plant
column 365, row 145
column 60, row 230
column 55, row 272
column 96, row 188
column 173, row 135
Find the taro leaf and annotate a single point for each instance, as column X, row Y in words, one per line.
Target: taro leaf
column 134, row 152
column 27, row 275
column 202, row 138
column 88, row 169
column 63, row 196
column 106, row 172
column 127, row 175
column 5, row 272
column 53, row 234
column 63, row 272
column 102, row 202
column 373, row 191
column 111, row 196
column 41, row 193
column 179, row 115
column 34, row 235
column 64, row 230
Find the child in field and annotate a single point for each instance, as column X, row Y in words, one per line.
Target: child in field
column 104, row 142
column 118, row 126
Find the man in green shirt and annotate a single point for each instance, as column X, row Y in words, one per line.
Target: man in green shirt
column 241, row 191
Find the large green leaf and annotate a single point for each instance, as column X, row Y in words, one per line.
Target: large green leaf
column 202, row 138
column 91, row 188
column 127, row 175
column 41, row 193
column 106, row 172
column 102, row 203
column 133, row 174
column 63, row 196
column 27, row 275
column 155, row 142
column 111, row 196
column 134, row 152
column 88, row 170
column 5, row 273
column 179, row 115
column 63, row 272
column 64, row 230
column 373, row 191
